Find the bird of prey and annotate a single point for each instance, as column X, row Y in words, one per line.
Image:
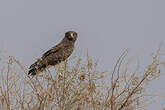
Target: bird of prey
column 56, row 54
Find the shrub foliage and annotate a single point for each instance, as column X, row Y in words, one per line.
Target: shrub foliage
column 76, row 85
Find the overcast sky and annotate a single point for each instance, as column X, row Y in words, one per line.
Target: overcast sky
column 105, row 27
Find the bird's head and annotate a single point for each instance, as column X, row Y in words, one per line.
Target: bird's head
column 71, row 35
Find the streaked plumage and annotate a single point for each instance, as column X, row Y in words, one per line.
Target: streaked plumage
column 56, row 54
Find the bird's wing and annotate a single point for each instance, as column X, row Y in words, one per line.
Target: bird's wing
column 51, row 51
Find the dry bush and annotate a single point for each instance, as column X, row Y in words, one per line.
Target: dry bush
column 76, row 85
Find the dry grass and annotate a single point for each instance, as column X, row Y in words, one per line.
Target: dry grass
column 76, row 85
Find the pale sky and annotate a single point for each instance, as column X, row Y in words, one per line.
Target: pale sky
column 105, row 27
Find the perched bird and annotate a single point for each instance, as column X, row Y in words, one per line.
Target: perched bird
column 56, row 54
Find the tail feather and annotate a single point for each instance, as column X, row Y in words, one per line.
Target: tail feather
column 32, row 72
column 37, row 67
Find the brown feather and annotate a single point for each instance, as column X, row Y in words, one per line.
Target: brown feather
column 56, row 54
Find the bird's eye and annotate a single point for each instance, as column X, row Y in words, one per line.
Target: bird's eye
column 71, row 35
column 74, row 34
